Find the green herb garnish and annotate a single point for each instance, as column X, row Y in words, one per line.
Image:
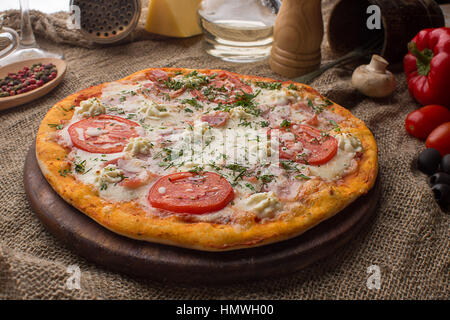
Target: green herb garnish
column 80, row 167
column 56, row 126
column 335, row 125
column 264, row 124
column 266, row 178
column 285, row 123
column 268, row 85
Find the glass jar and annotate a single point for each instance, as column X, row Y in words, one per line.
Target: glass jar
column 238, row 30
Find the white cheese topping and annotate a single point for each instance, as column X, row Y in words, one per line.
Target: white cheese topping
column 93, row 132
column 80, row 133
column 162, row 190
column 154, row 110
column 110, row 174
column 138, row 145
column 89, row 108
column 349, row 143
column 264, row 204
column 277, row 97
column 239, row 113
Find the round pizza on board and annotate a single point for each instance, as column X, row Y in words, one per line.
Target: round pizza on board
column 205, row 159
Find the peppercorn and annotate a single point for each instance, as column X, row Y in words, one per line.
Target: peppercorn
column 27, row 79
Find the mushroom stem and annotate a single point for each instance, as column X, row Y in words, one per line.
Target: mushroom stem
column 378, row 64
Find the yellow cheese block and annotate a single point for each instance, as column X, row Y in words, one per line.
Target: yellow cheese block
column 174, row 18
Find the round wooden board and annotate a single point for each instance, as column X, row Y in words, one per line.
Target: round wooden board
column 169, row 263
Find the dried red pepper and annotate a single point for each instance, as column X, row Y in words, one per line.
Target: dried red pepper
column 427, row 66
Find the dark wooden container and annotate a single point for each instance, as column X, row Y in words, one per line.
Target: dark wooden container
column 401, row 21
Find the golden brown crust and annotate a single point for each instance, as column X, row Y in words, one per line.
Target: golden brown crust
column 129, row 219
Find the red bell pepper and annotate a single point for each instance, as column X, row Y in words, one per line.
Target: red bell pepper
column 427, row 66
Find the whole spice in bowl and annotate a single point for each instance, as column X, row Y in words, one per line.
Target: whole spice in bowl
column 27, row 79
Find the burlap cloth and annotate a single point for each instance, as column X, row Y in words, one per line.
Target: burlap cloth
column 408, row 238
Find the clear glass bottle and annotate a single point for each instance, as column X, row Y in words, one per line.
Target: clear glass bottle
column 238, row 30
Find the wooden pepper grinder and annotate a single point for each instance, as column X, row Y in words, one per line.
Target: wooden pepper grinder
column 298, row 33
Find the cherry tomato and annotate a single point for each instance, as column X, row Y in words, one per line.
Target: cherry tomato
column 187, row 192
column 439, row 139
column 421, row 122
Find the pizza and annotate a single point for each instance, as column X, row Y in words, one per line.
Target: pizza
column 205, row 159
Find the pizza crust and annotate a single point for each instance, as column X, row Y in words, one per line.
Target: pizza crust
column 130, row 220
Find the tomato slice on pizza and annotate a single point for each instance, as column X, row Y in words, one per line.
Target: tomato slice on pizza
column 304, row 144
column 188, row 192
column 224, row 88
column 102, row 134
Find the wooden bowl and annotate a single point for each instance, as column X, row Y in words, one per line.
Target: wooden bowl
column 13, row 101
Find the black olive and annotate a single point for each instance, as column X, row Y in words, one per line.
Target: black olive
column 428, row 161
column 442, row 193
column 440, row 178
column 445, row 164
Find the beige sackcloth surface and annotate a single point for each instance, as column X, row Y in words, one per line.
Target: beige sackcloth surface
column 408, row 239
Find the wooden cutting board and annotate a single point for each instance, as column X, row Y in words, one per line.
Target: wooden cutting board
column 168, row 263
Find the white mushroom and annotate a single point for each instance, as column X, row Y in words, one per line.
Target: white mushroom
column 373, row 79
